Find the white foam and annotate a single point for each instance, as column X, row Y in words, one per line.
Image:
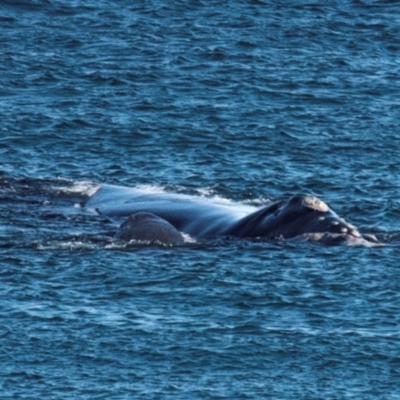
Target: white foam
column 258, row 202
column 187, row 238
column 205, row 191
column 70, row 245
column 87, row 188
column 151, row 188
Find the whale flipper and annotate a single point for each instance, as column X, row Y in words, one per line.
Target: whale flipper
column 147, row 227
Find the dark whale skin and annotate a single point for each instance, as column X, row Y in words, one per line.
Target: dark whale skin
column 147, row 227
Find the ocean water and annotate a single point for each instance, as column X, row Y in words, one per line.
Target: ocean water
column 244, row 101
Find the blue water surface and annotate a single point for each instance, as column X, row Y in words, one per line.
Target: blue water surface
column 244, row 101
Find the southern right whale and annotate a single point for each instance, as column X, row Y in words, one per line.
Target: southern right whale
column 300, row 216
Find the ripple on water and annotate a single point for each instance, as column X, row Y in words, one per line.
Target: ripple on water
column 248, row 102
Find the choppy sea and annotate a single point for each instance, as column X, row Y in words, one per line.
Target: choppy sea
column 249, row 101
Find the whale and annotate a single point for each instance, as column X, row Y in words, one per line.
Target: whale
column 301, row 216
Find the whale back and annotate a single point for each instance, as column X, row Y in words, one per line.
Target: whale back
column 190, row 214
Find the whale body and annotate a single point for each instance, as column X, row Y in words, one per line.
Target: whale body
column 300, row 216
